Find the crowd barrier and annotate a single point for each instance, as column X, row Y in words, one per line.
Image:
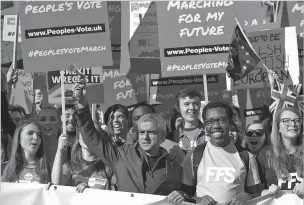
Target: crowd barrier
column 37, row 194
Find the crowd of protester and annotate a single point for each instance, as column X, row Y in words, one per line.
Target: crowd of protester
column 204, row 161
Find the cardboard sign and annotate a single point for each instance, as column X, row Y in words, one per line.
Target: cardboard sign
column 295, row 18
column 163, row 91
column 114, row 13
column 295, row 15
column 277, row 49
column 23, row 93
column 9, row 28
column 64, row 36
column 123, row 89
column 197, row 40
column 94, row 85
column 140, row 40
column 252, row 102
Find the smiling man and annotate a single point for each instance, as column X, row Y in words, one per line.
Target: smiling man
column 191, row 133
column 218, row 165
column 145, row 168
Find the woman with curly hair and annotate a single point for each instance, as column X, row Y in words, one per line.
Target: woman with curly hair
column 282, row 162
column 27, row 163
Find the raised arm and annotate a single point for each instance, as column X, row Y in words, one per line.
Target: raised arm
column 98, row 143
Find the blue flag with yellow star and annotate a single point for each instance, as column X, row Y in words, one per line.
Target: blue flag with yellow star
column 242, row 57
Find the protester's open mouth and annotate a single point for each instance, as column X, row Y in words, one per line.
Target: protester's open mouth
column 33, row 144
column 217, row 134
column 253, row 142
column 145, row 143
column 117, row 126
column 191, row 113
column 47, row 128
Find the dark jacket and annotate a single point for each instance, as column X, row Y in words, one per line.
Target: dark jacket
column 127, row 161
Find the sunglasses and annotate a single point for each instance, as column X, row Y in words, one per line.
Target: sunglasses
column 258, row 133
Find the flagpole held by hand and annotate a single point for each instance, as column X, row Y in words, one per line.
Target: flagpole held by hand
column 63, row 102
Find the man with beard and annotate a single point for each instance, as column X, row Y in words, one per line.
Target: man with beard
column 220, row 173
column 145, row 168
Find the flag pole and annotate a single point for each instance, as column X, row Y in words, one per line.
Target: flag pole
column 94, row 112
column 63, row 102
column 16, row 41
column 205, row 88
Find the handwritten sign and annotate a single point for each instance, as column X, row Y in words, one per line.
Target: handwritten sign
column 9, row 28
column 277, row 49
column 23, row 93
column 197, row 40
column 64, row 36
column 163, row 91
column 123, row 89
column 93, row 78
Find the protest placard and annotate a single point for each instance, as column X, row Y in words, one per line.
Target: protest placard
column 208, row 22
column 123, row 89
column 23, row 93
column 278, row 51
column 140, row 40
column 9, row 28
column 64, row 36
column 114, row 14
column 163, row 91
column 93, row 77
column 295, row 10
column 252, row 102
column 7, row 48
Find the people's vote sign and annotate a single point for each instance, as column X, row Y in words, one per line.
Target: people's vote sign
column 163, row 91
column 124, row 89
column 93, row 77
column 9, row 28
column 56, row 34
column 197, row 40
column 278, row 51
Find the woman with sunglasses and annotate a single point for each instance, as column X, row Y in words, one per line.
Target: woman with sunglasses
column 256, row 136
column 27, row 163
column 282, row 162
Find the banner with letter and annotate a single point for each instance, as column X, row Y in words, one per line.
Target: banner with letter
column 36, row 194
column 163, row 91
column 9, row 28
column 94, row 85
column 278, row 51
column 123, row 89
column 64, row 36
column 197, row 40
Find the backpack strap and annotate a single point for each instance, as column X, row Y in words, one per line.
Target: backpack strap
column 197, row 156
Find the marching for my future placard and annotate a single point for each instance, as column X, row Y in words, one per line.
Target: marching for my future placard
column 197, row 40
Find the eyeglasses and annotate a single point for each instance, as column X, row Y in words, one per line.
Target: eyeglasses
column 221, row 120
column 287, row 121
column 258, row 133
